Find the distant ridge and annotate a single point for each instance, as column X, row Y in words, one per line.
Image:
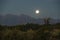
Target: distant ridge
column 11, row 19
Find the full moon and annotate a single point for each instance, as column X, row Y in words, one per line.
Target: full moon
column 37, row 11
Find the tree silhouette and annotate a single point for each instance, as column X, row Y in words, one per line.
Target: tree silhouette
column 47, row 21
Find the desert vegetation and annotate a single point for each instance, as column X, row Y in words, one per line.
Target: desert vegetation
column 30, row 32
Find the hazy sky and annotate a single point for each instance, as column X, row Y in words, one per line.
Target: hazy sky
column 50, row 8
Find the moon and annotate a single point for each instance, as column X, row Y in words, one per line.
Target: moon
column 37, row 11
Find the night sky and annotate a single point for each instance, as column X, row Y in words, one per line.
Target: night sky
column 48, row 8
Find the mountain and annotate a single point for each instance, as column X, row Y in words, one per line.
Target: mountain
column 0, row 19
column 11, row 19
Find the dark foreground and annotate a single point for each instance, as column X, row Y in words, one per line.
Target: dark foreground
column 30, row 32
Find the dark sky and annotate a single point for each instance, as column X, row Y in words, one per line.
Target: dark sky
column 49, row 8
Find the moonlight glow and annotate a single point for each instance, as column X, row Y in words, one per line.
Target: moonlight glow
column 37, row 11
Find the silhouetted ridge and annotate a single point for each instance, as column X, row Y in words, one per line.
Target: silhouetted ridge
column 11, row 19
